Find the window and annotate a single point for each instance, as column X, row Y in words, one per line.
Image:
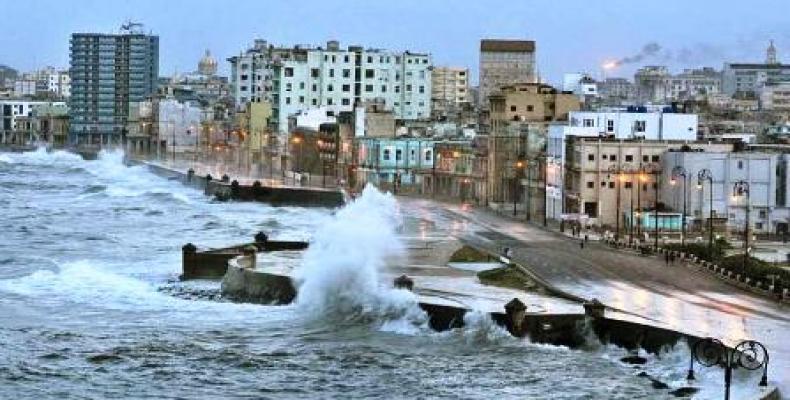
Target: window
column 530, row 108
column 513, row 108
column 301, row 85
column 603, row 156
column 368, row 88
column 629, row 157
column 422, row 89
column 603, row 184
column 610, row 125
column 639, row 126
column 611, row 185
column 301, row 99
column 369, row 74
column 428, row 155
column 386, row 155
column 397, row 89
column 408, row 88
column 345, row 102
column 398, row 155
column 655, row 158
column 763, row 214
column 588, row 122
column 628, row 185
column 590, row 157
column 314, row 87
column 345, row 59
column 346, row 88
column 346, row 72
column 287, row 100
column 244, row 77
column 332, row 73
column 644, row 187
column 329, row 101
column 613, row 157
column 315, row 102
column 370, row 59
column 645, row 158
column 740, row 164
column 288, row 87
column 289, row 72
column 315, row 72
column 590, row 185
column 758, row 225
column 383, row 88
column 330, row 88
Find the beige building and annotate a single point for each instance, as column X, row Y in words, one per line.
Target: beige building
column 518, row 119
column 505, row 62
column 775, row 97
column 602, row 174
column 449, row 90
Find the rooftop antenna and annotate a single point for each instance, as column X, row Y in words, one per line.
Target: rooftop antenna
column 131, row 27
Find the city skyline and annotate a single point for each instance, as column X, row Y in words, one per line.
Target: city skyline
column 609, row 32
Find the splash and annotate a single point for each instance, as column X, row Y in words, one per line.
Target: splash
column 42, row 157
column 339, row 275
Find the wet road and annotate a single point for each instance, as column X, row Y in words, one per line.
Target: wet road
column 677, row 297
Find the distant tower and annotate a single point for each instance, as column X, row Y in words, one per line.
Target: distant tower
column 770, row 54
column 207, row 65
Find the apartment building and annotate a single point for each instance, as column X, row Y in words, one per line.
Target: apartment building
column 108, row 72
column 300, row 78
column 449, row 90
column 502, row 63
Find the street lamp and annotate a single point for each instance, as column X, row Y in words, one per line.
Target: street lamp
column 748, row 354
column 706, row 175
column 741, row 188
column 679, row 171
column 518, row 166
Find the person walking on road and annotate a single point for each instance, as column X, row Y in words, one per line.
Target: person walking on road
column 666, row 257
column 581, row 244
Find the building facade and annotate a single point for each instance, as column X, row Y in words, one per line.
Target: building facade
column 108, row 72
column 13, row 111
column 504, row 62
column 449, row 91
column 651, row 84
column 693, row 84
column 607, row 178
column 300, row 78
column 775, row 97
column 765, row 172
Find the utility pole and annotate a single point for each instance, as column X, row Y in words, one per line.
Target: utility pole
column 703, row 175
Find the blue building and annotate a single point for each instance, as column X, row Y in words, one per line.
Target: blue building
column 108, row 72
column 385, row 161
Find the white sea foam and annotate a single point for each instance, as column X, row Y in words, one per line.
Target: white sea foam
column 41, row 156
column 339, row 275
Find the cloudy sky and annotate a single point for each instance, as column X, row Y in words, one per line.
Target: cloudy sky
column 571, row 35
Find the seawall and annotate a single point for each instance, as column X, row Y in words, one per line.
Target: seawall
column 230, row 189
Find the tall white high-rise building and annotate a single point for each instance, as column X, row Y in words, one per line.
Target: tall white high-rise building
column 301, row 78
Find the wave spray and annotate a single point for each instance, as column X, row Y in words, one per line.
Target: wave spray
column 339, row 278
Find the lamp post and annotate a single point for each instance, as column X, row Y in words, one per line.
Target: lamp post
column 519, row 164
column 529, row 191
column 679, row 171
column 741, row 188
column 706, row 175
column 616, row 170
column 748, row 354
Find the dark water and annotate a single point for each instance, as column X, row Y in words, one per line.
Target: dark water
column 88, row 255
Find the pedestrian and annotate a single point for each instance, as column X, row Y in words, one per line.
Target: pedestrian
column 666, row 257
column 581, row 244
column 586, row 238
column 672, row 258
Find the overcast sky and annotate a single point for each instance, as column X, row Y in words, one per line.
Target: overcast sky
column 571, row 35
